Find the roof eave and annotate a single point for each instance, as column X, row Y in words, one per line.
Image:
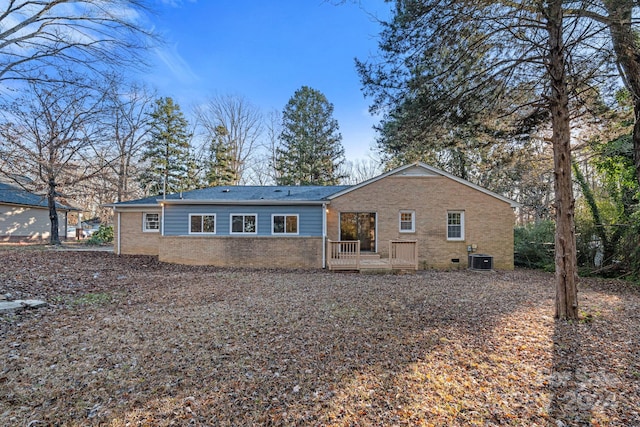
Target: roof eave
column 242, row 202
column 132, row 205
column 27, row 205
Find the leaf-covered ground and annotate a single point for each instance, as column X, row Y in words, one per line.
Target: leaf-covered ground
column 129, row 341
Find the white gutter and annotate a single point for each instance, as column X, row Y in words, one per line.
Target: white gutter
column 162, row 221
column 324, row 235
column 119, row 234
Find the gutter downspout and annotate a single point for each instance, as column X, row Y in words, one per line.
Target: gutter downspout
column 324, row 235
column 162, row 222
column 119, row 234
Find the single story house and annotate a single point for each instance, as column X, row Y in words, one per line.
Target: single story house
column 24, row 216
column 415, row 214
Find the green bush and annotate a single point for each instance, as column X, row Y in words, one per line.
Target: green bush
column 534, row 245
column 103, row 235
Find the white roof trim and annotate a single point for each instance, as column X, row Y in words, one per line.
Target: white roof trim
column 132, row 206
column 258, row 202
column 433, row 170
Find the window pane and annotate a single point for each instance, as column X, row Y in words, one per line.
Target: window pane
column 208, row 224
column 454, row 218
column 454, row 232
column 236, row 223
column 250, row 224
column 196, row 224
column 454, row 225
column 152, row 221
column 406, row 221
column 292, row 224
column 278, row 224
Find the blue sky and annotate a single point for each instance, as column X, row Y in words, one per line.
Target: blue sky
column 266, row 50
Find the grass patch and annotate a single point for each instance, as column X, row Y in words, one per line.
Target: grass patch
column 99, row 298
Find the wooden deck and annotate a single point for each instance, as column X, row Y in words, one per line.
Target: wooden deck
column 346, row 256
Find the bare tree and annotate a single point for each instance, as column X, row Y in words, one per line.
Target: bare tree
column 48, row 135
column 262, row 169
column 242, row 122
column 127, row 122
column 359, row 170
column 37, row 36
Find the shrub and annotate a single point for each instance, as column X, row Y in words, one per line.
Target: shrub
column 103, row 235
column 534, row 245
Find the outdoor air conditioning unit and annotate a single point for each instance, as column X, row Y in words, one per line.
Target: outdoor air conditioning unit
column 480, row 262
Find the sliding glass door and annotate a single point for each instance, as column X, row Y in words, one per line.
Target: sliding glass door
column 359, row 226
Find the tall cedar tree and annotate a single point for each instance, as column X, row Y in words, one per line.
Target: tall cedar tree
column 167, row 150
column 311, row 152
column 220, row 170
column 515, row 56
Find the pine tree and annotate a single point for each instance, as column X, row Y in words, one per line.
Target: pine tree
column 311, row 151
column 220, row 170
column 167, row 150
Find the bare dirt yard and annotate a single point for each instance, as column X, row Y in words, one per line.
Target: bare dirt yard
column 129, row 341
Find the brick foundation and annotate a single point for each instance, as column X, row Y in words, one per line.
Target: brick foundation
column 227, row 251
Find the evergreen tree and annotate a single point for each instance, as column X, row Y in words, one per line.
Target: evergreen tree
column 220, row 170
column 167, row 150
column 454, row 60
column 311, row 151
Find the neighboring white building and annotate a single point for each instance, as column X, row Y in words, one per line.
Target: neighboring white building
column 24, row 216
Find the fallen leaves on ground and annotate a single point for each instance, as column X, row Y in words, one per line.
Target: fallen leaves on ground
column 129, row 341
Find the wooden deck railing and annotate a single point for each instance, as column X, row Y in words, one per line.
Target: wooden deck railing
column 343, row 255
column 403, row 254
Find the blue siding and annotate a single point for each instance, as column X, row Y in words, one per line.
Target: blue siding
column 176, row 221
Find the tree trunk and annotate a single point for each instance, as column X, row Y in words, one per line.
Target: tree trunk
column 636, row 137
column 122, row 179
column 565, row 242
column 623, row 38
column 54, row 238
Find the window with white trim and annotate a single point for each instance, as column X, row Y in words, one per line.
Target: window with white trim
column 150, row 222
column 284, row 224
column 244, row 223
column 407, row 221
column 455, row 225
column 202, row 223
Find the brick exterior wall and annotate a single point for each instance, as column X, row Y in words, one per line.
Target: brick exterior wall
column 234, row 251
column 133, row 241
column 488, row 221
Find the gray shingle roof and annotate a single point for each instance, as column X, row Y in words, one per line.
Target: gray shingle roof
column 146, row 201
column 248, row 193
column 17, row 196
